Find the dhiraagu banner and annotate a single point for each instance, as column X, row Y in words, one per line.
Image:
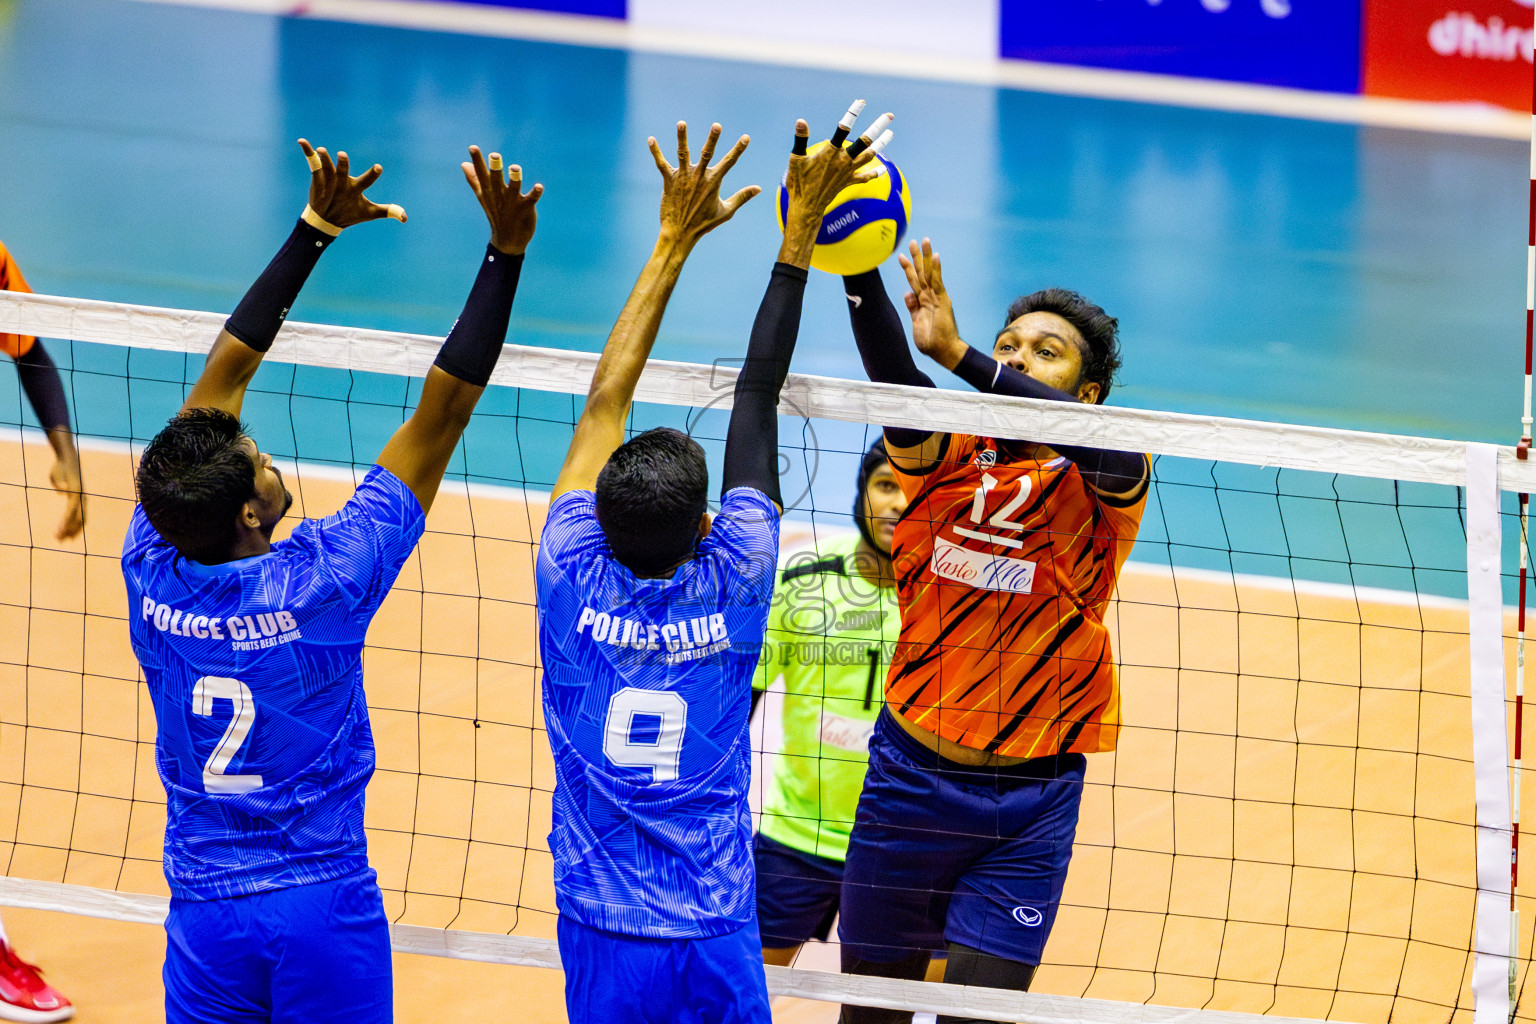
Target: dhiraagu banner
column 1457, row 50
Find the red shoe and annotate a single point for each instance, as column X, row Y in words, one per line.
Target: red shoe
column 24, row 995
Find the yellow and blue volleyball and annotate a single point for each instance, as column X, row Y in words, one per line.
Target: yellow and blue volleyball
column 864, row 223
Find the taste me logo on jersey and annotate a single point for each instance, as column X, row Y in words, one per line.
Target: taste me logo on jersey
column 685, row 640
column 951, row 561
column 245, row 632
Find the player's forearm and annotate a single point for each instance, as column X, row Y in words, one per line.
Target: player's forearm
column 634, row 334
column 1109, row 471
column 474, row 343
column 752, row 440
column 255, row 321
column 44, row 388
column 882, row 344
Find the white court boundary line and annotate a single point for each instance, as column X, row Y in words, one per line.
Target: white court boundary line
column 1064, row 80
column 1255, row 443
column 526, row 951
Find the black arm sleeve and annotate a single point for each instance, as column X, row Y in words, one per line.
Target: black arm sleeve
column 752, row 441
column 883, row 345
column 45, row 390
column 474, row 344
column 256, row 320
column 1109, row 471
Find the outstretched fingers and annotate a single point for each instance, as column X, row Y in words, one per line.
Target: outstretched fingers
column 708, row 152
column 482, row 172
column 732, row 155
column 310, row 156
column 802, row 137
column 470, row 176
column 666, row 169
column 682, row 144
column 914, row 276
column 936, row 272
column 368, row 177
column 739, row 200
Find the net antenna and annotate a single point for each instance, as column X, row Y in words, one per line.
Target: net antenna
column 1522, row 451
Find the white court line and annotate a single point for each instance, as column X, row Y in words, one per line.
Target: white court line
column 1097, row 83
column 527, row 951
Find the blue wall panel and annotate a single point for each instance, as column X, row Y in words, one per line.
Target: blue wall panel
column 1308, row 44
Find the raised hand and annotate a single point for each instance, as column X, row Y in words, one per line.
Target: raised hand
column 691, row 206
column 510, row 210
column 814, row 180
column 336, row 198
column 934, row 330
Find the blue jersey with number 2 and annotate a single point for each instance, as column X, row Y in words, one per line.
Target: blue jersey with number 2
column 647, row 689
column 255, row 669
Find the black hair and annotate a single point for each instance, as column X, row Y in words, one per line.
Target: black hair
column 1098, row 328
column 873, row 459
column 193, row 479
column 651, row 495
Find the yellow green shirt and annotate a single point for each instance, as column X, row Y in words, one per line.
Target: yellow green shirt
column 829, row 643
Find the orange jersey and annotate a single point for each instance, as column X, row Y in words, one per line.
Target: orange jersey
column 1004, row 568
column 13, row 345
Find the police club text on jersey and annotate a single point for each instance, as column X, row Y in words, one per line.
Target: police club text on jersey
column 244, row 632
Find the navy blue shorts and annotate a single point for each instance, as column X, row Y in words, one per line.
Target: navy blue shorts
column 797, row 893
column 942, row 852
column 626, row 979
column 315, row 952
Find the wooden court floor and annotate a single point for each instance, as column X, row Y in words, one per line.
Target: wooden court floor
column 1285, row 827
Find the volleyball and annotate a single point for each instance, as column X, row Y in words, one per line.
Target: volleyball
column 864, row 223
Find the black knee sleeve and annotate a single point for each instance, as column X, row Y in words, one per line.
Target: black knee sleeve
column 969, row 966
column 910, row 969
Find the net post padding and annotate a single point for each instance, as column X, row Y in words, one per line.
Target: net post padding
column 1490, row 747
column 1321, row 449
column 527, row 951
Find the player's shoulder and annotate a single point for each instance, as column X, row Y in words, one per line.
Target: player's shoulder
column 142, row 541
column 571, row 534
column 745, row 531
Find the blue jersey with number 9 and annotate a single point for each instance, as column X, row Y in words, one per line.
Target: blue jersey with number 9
column 647, row 692
column 255, row 669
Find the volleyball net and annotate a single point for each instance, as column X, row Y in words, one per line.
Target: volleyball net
column 1308, row 814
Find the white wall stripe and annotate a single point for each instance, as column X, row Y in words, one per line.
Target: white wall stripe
column 1139, row 87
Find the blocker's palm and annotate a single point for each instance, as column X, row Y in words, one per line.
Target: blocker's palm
column 337, row 196
column 691, row 206
column 813, row 181
column 934, row 330
column 510, row 210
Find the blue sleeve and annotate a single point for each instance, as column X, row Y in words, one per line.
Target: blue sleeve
column 743, row 543
column 367, row 542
